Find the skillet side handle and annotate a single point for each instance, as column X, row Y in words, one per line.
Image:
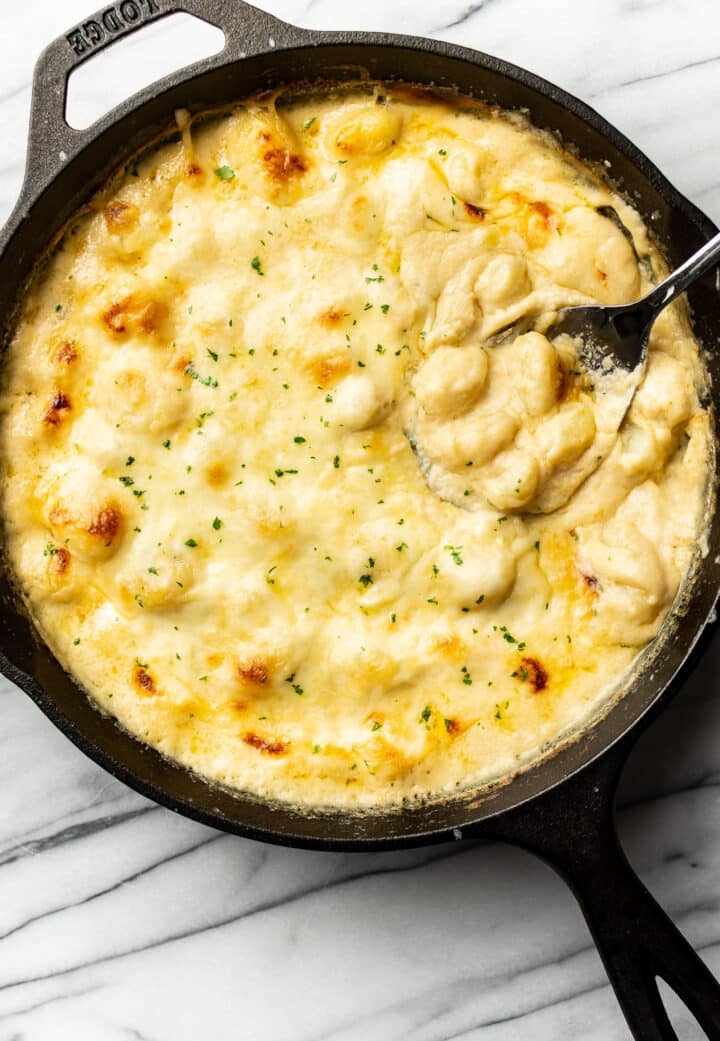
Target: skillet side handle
column 51, row 141
column 573, row 829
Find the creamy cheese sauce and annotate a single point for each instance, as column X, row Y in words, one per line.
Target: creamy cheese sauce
column 224, row 397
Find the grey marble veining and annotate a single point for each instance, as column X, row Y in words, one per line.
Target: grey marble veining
column 120, row 921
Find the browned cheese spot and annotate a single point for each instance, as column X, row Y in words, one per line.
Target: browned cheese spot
column 180, row 364
column 133, row 313
column 193, row 170
column 328, row 370
column 60, row 560
column 59, row 403
column 602, row 275
column 121, row 216
column 144, row 681
column 331, row 317
column 543, row 210
column 67, row 353
column 534, row 673
column 474, row 211
column 564, row 384
column 264, row 744
column 217, row 474
column 255, row 672
column 590, row 582
column 282, row 165
column 105, row 522
column 452, row 727
column 151, row 316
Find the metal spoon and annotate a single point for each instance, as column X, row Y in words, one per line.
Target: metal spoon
column 621, row 333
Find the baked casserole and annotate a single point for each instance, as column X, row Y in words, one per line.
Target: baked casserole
column 293, row 482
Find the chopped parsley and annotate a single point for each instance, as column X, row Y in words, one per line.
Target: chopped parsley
column 217, row 524
column 225, row 173
column 207, row 381
column 256, row 265
column 365, row 580
column 456, row 553
column 191, row 543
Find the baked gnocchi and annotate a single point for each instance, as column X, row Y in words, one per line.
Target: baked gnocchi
column 295, row 484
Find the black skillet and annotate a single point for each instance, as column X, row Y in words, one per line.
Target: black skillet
column 562, row 809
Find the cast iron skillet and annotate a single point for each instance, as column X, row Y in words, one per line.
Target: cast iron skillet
column 561, row 810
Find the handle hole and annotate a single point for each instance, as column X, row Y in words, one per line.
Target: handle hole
column 683, row 1021
column 134, row 62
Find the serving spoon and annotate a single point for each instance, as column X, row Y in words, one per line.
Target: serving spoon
column 613, row 339
column 621, row 333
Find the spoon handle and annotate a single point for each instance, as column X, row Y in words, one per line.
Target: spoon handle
column 705, row 258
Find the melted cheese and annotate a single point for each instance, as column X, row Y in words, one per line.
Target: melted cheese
column 211, row 499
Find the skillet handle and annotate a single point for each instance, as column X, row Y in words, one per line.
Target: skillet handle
column 52, row 141
column 573, row 829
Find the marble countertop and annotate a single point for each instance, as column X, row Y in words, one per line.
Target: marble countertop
column 120, row 920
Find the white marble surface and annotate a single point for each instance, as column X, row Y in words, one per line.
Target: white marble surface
column 119, row 920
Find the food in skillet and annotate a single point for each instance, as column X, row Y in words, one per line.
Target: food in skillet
column 224, row 396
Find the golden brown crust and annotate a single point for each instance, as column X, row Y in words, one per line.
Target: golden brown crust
column 265, row 744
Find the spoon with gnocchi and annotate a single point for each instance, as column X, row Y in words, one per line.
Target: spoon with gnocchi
column 516, row 451
column 618, row 336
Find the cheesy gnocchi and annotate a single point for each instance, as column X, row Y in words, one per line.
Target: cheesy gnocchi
column 295, row 484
